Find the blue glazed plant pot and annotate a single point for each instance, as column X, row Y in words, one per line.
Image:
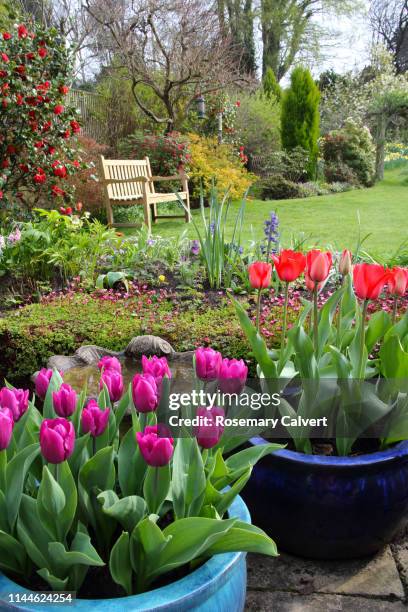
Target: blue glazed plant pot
column 219, row 584
column 330, row 507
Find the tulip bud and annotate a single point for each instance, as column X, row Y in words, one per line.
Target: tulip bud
column 397, row 282
column 145, row 393
column 156, row 367
column 16, row 400
column 211, row 427
column 42, row 380
column 155, row 450
column 64, row 400
column 311, row 285
column 57, row 439
column 318, row 265
column 345, row 266
column 208, row 363
column 233, row 375
column 6, row 427
column 110, row 363
column 260, row 274
column 93, row 419
column 114, row 383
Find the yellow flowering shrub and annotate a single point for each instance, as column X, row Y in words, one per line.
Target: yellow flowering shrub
column 209, row 161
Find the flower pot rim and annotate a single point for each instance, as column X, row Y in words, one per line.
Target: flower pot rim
column 193, row 586
column 390, row 454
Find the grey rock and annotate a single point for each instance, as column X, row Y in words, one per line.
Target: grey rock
column 148, row 345
column 64, row 363
column 374, row 576
column 278, row 601
column 90, row 354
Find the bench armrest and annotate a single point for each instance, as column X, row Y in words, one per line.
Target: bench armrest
column 174, row 177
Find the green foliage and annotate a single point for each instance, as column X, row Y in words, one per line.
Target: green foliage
column 257, row 124
column 300, row 116
column 349, row 154
column 278, row 187
column 270, row 85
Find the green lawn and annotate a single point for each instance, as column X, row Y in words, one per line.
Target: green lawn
column 329, row 220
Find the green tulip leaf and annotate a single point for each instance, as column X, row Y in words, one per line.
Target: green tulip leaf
column 188, row 483
column 13, row 557
column 57, row 584
column 244, row 537
column 128, row 511
column 131, row 465
column 119, row 563
column 16, row 473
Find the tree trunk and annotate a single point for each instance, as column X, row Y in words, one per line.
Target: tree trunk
column 380, row 143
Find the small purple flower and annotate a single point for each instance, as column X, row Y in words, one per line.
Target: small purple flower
column 212, row 228
column 195, row 247
column 14, row 236
column 272, row 235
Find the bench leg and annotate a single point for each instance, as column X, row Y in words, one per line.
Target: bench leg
column 109, row 214
column 154, row 212
column 187, row 215
column 147, row 217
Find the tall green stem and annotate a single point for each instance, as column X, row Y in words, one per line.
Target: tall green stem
column 315, row 320
column 285, row 317
column 338, row 338
column 93, row 445
column 258, row 309
column 3, row 464
column 361, row 368
column 394, row 309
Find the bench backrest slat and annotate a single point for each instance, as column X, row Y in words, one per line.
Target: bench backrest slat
column 123, row 169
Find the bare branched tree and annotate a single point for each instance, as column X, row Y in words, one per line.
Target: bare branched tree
column 389, row 22
column 172, row 47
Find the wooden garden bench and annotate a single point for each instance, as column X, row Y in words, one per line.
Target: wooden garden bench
column 128, row 182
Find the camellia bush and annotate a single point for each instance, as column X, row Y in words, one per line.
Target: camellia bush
column 75, row 495
column 36, row 122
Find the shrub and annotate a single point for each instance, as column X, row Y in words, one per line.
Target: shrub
column 300, row 116
column 292, row 165
column 270, row 85
column 37, row 124
column 168, row 154
column 278, row 188
column 349, row 154
column 210, row 161
column 257, row 124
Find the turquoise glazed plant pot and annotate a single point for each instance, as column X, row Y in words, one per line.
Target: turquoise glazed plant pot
column 330, row 507
column 219, row 584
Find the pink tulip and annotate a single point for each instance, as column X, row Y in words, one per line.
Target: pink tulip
column 110, row 363
column 114, row 383
column 57, row 439
column 6, row 427
column 233, row 375
column 156, row 451
column 208, row 363
column 145, row 393
column 42, row 380
column 16, row 400
column 211, row 428
column 93, row 419
column 65, row 400
column 156, row 367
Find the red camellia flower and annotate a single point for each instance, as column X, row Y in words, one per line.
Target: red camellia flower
column 63, row 89
column 289, row 264
column 23, row 167
column 57, row 191
column 3, row 74
column 260, row 274
column 369, row 280
column 51, row 150
column 39, row 178
column 5, row 163
column 42, row 52
column 20, row 69
column 318, row 265
column 59, row 169
column 6, row 35
column 30, row 56
column 22, row 31
column 19, row 99
column 75, row 126
column 397, row 281
column 58, row 109
column 5, row 58
column 11, row 149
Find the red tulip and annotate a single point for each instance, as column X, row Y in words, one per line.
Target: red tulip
column 260, row 274
column 397, row 281
column 369, row 280
column 289, row 265
column 318, row 265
